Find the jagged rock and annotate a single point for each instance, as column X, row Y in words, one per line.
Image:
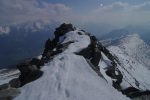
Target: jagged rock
column 93, row 54
column 82, row 30
column 111, row 72
column 129, row 90
column 106, row 52
column 53, row 44
column 63, row 46
column 37, row 62
column 8, row 91
column 132, row 92
column 93, row 38
column 59, row 48
column 79, row 33
column 86, row 53
column 96, row 57
column 9, row 94
column 25, row 67
column 90, row 50
column 48, row 50
column 4, row 86
column 29, row 77
column 96, row 53
column 144, row 97
column 28, row 72
column 116, row 85
column 50, row 55
column 15, row 83
column 56, row 52
column 49, row 46
column 64, row 28
column 6, row 98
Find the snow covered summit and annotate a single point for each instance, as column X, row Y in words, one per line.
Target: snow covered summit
column 68, row 76
column 75, row 66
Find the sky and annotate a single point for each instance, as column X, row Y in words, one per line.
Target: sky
column 102, row 14
column 86, row 5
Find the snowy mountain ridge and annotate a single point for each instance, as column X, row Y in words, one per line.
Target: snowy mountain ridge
column 68, row 76
column 135, row 47
column 75, row 66
column 133, row 56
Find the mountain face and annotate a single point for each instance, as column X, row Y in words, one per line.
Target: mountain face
column 76, row 66
column 133, row 46
column 22, row 41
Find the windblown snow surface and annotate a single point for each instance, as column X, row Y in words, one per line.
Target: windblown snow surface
column 132, row 52
column 69, row 77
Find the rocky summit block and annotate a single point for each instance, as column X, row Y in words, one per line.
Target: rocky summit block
column 64, row 28
column 29, row 71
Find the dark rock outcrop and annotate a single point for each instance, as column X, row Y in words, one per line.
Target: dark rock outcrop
column 132, row 92
column 29, row 72
column 15, row 83
column 96, row 57
column 63, row 29
column 9, row 94
column 96, row 53
column 9, row 90
column 50, row 45
column 4, row 86
column 92, row 54
column 37, row 62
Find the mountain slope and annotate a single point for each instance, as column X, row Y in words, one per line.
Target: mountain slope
column 133, row 56
column 69, row 76
column 74, row 65
column 135, row 47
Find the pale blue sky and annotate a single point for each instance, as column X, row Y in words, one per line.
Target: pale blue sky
column 83, row 6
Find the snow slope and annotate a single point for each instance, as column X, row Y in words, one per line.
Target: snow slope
column 136, row 48
column 135, row 74
column 69, row 77
column 132, row 52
